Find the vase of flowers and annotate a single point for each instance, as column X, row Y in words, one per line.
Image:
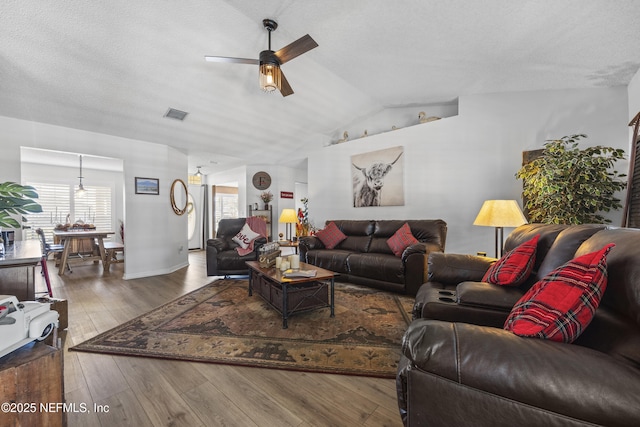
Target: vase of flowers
column 303, row 225
column 266, row 197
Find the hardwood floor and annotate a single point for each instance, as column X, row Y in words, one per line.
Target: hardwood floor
column 152, row 392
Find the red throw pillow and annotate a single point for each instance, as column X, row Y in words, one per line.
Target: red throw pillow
column 515, row 266
column 331, row 236
column 401, row 240
column 561, row 305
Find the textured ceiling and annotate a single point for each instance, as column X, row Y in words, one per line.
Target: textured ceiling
column 116, row 66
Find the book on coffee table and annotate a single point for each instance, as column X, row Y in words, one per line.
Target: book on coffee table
column 299, row 273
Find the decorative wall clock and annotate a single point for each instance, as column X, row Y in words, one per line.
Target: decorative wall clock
column 261, row 180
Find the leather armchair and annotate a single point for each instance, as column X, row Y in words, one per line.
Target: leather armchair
column 222, row 257
column 456, row 372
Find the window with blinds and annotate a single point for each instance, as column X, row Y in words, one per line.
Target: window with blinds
column 225, row 204
column 60, row 205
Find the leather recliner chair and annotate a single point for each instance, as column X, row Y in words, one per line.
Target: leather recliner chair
column 460, row 367
column 222, row 257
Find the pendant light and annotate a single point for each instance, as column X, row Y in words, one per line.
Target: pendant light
column 198, row 173
column 81, row 192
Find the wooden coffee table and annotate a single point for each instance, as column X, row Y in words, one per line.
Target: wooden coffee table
column 292, row 295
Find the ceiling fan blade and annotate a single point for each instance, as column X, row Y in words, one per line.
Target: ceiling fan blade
column 285, row 87
column 231, row 60
column 297, row 48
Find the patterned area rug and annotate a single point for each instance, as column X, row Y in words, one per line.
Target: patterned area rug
column 221, row 323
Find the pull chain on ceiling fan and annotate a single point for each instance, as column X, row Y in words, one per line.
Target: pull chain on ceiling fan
column 271, row 76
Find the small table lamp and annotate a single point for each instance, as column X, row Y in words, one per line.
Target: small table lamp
column 289, row 217
column 499, row 214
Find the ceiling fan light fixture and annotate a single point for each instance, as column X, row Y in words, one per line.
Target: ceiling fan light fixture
column 270, row 76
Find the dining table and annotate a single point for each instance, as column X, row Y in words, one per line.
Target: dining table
column 68, row 236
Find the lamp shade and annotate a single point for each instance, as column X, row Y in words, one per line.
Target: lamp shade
column 500, row 213
column 288, row 216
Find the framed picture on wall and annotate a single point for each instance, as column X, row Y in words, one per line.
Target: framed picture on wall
column 147, row 186
column 374, row 170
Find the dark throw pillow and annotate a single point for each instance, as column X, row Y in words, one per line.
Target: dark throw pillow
column 331, row 236
column 561, row 305
column 515, row 266
column 401, row 240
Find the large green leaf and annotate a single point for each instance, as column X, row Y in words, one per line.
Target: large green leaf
column 16, row 199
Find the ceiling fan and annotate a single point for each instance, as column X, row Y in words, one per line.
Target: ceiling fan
column 271, row 77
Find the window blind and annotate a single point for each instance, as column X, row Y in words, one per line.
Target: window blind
column 60, row 205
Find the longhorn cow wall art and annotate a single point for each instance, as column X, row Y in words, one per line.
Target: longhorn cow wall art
column 378, row 178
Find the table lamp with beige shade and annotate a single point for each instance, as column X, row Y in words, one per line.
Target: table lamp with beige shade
column 500, row 214
column 288, row 216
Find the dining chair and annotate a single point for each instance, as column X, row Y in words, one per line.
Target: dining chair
column 47, row 249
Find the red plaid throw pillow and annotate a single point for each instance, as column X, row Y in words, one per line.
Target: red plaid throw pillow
column 561, row 305
column 331, row 236
column 515, row 266
column 401, row 240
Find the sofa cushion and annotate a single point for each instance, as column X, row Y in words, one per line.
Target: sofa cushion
column 548, row 234
column 515, row 266
column 383, row 230
column 401, row 240
column 623, row 294
column 245, row 236
column 331, row 236
column 358, row 234
column 334, row 260
column 383, row 267
column 561, row 305
column 565, row 246
column 231, row 261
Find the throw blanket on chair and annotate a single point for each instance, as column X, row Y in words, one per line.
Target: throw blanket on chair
column 257, row 224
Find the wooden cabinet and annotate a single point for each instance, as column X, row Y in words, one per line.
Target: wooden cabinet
column 31, row 377
column 268, row 217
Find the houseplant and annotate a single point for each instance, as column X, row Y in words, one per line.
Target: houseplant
column 569, row 185
column 16, row 199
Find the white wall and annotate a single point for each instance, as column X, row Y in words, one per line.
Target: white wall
column 634, row 98
column 155, row 238
column 454, row 164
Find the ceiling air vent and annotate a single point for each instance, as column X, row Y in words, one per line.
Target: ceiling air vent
column 172, row 113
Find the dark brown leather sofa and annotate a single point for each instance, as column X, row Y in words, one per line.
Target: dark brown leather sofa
column 222, row 257
column 365, row 258
column 459, row 367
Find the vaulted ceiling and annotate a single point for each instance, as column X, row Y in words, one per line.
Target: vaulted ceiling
column 116, row 66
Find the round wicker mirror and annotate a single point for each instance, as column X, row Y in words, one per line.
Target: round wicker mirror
column 179, row 197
